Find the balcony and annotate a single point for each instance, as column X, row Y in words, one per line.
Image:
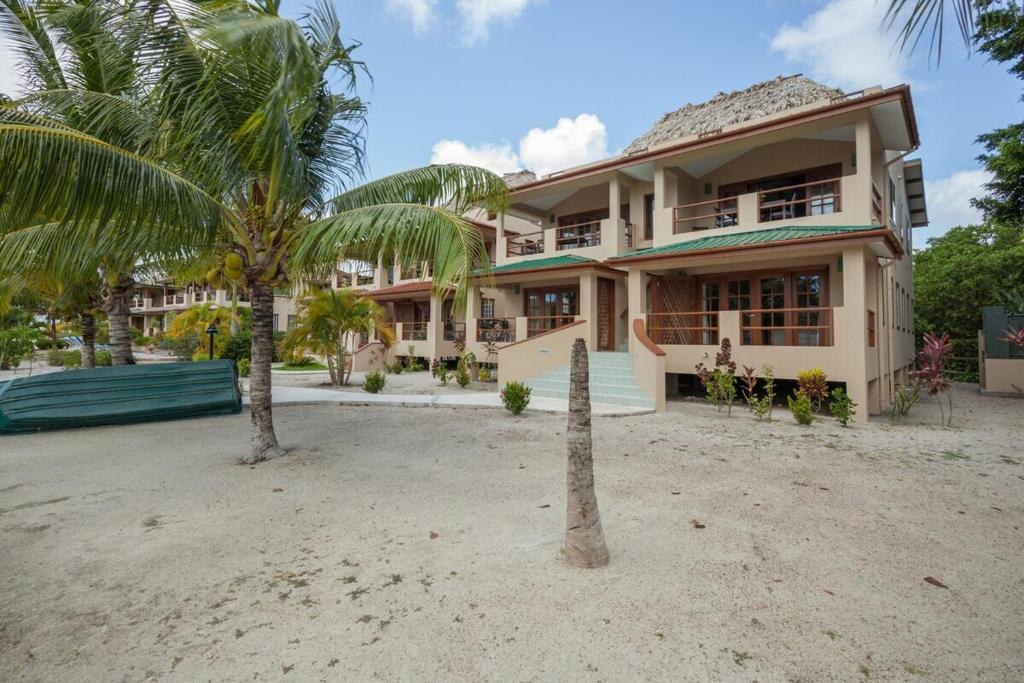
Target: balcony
column 546, row 323
column 496, row 330
column 683, row 328
column 788, row 202
column 578, row 236
column 174, row 300
column 526, row 244
column 758, row 327
column 414, row 331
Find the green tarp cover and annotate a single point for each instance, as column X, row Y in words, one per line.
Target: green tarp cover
column 124, row 394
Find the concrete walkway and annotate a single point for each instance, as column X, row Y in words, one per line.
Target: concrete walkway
column 284, row 395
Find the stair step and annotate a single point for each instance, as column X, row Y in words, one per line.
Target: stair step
column 612, row 381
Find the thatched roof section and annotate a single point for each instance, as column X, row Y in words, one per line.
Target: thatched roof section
column 517, row 178
column 727, row 109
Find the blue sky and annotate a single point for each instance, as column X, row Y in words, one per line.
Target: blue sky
column 483, row 74
column 546, row 84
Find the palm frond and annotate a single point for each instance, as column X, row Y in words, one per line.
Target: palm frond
column 924, row 17
column 73, row 179
column 455, row 186
column 25, row 28
column 416, row 232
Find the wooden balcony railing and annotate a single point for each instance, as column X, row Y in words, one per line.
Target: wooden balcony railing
column 816, row 198
column 683, row 328
column 496, row 330
column 713, row 213
column 174, row 299
column 578, row 236
column 786, row 327
column 545, row 323
column 364, row 279
column 414, row 331
column 526, row 244
column 876, row 203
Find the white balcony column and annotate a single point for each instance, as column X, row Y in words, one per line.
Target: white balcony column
column 861, row 195
column 522, row 328
column 616, row 240
column 588, row 308
column 854, row 338
column 666, row 196
column 637, row 298
column 435, row 328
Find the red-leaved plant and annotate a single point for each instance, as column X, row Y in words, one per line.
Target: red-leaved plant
column 932, row 371
column 1016, row 337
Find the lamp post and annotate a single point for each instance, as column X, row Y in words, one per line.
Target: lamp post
column 212, row 332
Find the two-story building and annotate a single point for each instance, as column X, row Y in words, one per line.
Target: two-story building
column 778, row 216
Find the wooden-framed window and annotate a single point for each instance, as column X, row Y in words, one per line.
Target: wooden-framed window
column 871, row 328
column 486, row 308
column 794, row 194
column 580, row 230
column 548, row 308
column 648, row 216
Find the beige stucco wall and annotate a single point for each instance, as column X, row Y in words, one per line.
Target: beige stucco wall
column 536, row 356
column 1003, row 376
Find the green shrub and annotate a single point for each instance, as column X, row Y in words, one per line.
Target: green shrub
column 515, row 396
column 395, row 368
column 72, row 359
column 462, row 371
column 244, row 367
column 442, row 374
column 842, row 406
column 484, row 374
column 813, row 384
column 374, row 382
column 183, row 348
column 55, row 358
column 200, row 354
column 103, row 358
column 44, row 344
column 801, row 408
column 906, row 398
column 762, row 406
column 238, row 346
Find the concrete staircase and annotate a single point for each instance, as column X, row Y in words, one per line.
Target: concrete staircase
column 612, row 381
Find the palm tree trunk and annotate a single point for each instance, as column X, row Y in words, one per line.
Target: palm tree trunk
column 88, row 340
column 584, row 538
column 119, row 313
column 264, row 440
column 234, row 308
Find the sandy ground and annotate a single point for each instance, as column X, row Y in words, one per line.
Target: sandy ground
column 406, row 383
column 423, row 544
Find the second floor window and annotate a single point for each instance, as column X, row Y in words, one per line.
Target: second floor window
column 648, row 216
column 486, row 308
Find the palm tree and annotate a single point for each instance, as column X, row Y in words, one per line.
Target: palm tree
column 196, row 320
column 327, row 322
column 584, row 537
column 921, row 17
column 247, row 145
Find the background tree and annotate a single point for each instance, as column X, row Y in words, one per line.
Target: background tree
column 584, row 537
column 247, row 145
column 327, row 323
column 196, row 320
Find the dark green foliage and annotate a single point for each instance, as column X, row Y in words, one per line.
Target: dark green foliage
column 238, row 346
column 515, row 396
column 103, row 358
column 374, row 382
column 244, row 367
column 183, row 348
column 842, row 406
column 55, row 358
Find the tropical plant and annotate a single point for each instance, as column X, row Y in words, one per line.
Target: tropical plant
column 906, row 397
column 462, row 371
column 842, row 406
column 1016, row 337
column 763, row 405
column 800, row 406
column 749, row 379
column 374, row 381
column 237, row 143
column 720, row 382
column 244, row 367
column 16, row 344
column 442, row 374
column 193, row 323
column 484, row 373
column 327, row 324
column 931, row 371
column 813, row 383
column 584, row 537
column 515, row 396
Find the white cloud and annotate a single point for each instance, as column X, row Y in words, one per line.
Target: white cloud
column 543, row 150
column 477, row 15
column 497, row 158
column 842, row 44
column 949, row 200
column 570, row 143
column 420, row 13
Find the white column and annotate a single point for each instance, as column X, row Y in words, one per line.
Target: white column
column 855, row 339
column 637, row 300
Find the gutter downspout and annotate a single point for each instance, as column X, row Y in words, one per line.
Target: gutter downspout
column 895, row 159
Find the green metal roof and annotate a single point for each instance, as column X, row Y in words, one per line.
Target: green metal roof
column 550, row 262
column 755, row 237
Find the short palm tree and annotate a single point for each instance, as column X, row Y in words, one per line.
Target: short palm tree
column 250, row 151
column 328, row 322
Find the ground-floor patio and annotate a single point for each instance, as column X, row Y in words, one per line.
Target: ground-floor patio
column 401, row 544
